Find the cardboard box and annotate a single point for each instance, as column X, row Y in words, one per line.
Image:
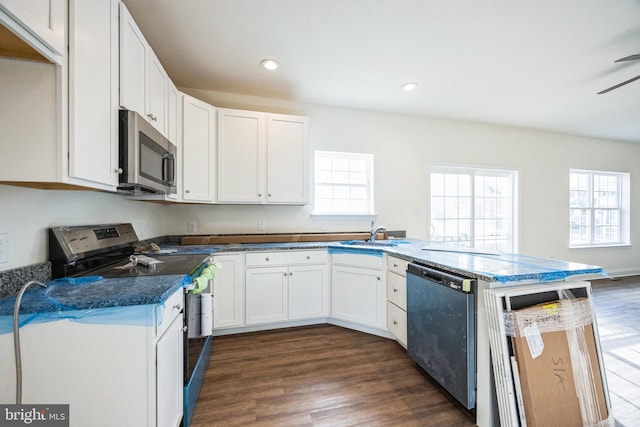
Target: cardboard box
column 545, row 354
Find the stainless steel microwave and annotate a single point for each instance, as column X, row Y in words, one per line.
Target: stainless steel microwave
column 147, row 159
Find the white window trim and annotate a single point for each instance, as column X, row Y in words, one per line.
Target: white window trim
column 457, row 169
column 625, row 207
column 370, row 214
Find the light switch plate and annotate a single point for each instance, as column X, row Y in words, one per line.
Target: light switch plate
column 4, row 248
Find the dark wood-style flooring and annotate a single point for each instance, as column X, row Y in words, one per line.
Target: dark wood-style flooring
column 330, row 376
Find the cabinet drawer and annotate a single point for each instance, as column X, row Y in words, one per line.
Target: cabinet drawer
column 173, row 306
column 397, row 265
column 374, row 260
column 266, row 259
column 397, row 290
column 397, row 323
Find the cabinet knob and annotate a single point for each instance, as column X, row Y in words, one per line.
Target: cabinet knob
column 395, row 322
column 378, row 278
column 259, row 194
column 269, row 195
column 395, row 290
column 395, row 265
column 266, row 259
column 290, row 274
column 118, row 171
column 308, row 257
column 177, row 306
column 285, row 274
column 187, row 191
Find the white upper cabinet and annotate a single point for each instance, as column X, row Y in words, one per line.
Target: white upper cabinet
column 93, row 90
column 143, row 80
column 262, row 158
column 241, row 152
column 287, row 159
column 40, row 23
column 198, row 150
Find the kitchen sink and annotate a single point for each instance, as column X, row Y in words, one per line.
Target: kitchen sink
column 377, row 243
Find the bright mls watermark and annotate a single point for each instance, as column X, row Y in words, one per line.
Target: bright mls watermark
column 34, row 415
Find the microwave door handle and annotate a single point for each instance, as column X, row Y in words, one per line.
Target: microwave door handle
column 168, row 169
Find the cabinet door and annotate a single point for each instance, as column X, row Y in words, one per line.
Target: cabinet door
column 198, row 150
column 266, row 295
column 93, row 90
column 173, row 116
column 156, row 106
column 169, row 374
column 308, row 292
column 241, row 156
column 41, row 23
column 228, row 292
column 357, row 295
column 287, row 159
column 133, row 51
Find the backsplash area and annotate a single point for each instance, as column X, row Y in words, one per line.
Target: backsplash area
column 12, row 280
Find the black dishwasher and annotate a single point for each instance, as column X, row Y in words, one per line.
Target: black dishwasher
column 441, row 313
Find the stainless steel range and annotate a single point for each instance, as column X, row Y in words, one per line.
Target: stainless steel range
column 109, row 251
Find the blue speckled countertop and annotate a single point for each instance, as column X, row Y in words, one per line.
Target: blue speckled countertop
column 63, row 295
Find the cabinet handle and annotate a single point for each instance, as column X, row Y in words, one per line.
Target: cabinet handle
column 118, row 171
column 184, row 328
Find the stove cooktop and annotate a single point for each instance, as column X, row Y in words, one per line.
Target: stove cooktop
column 172, row 264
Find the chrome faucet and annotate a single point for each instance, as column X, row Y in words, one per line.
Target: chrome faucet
column 374, row 231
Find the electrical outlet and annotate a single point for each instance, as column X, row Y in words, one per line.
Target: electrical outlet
column 261, row 225
column 4, row 248
column 191, row 226
column 323, row 225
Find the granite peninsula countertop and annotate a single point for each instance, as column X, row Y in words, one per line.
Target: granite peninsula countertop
column 491, row 267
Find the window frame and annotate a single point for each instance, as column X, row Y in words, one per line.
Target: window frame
column 622, row 197
column 474, row 173
column 367, row 186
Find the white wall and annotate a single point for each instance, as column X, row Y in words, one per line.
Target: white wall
column 406, row 146
column 26, row 215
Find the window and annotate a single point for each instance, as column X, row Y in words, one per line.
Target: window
column 598, row 211
column 474, row 208
column 343, row 183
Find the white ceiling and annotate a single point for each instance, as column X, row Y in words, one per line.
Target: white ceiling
column 534, row 64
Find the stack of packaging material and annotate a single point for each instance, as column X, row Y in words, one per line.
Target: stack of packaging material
column 554, row 374
column 204, row 290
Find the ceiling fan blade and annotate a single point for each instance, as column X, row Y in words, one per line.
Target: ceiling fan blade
column 629, row 58
column 618, row 85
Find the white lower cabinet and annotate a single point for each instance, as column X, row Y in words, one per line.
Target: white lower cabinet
column 397, row 298
column 286, row 285
column 126, row 370
column 169, row 355
column 357, row 289
column 228, row 291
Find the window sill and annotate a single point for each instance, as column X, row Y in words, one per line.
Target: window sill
column 617, row 245
column 324, row 217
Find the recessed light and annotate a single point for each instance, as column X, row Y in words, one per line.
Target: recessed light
column 269, row 64
column 408, row 87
